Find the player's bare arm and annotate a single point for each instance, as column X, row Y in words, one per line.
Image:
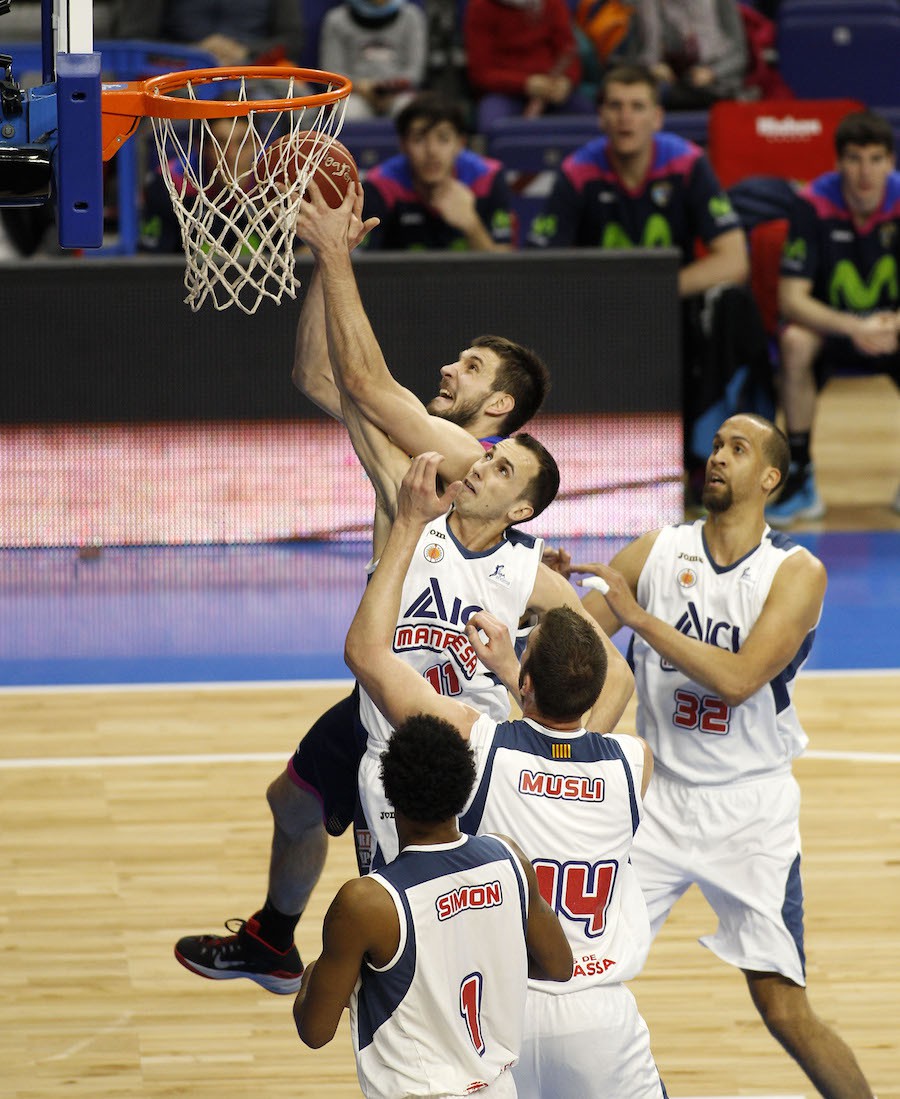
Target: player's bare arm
column 312, row 373
column 493, row 646
column 553, row 590
column 356, row 358
column 456, row 204
column 791, row 610
column 361, row 923
column 875, row 334
column 629, row 562
column 396, row 688
column 385, row 465
column 726, row 261
column 549, row 954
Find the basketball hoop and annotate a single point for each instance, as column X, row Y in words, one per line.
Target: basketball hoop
column 236, row 206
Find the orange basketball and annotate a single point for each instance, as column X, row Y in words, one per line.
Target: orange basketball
column 283, row 161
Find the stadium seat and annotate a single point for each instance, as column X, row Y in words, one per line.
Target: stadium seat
column 370, row 140
column 838, row 7
column 855, row 51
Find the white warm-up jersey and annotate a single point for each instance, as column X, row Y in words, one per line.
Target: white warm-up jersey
column 445, row 585
column 444, row 1017
column 572, row 801
column 697, row 738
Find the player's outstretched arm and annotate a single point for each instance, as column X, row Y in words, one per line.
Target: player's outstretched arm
column 312, row 373
column 553, row 590
column 491, row 643
column 397, row 689
column 360, row 921
column 549, row 954
column 791, row 611
column 356, row 358
column 629, row 562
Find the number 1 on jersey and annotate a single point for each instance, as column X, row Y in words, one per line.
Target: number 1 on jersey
column 470, row 1009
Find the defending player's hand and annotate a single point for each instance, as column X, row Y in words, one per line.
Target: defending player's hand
column 619, row 596
column 419, row 501
column 493, row 646
column 557, row 559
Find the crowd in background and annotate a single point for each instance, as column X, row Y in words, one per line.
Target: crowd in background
column 447, row 75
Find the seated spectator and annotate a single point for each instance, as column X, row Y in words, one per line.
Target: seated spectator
column 523, row 59
column 635, row 187
column 697, row 49
column 437, row 193
column 839, row 291
column 382, row 45
column 236, row 32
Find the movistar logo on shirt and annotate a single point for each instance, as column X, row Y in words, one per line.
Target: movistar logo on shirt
column 794, row 253
column 543, row 228
column 657, row 233
column 720, row 207
column 848, row 290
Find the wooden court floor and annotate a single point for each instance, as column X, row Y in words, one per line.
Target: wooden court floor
column 131, row 817
column 128, row 818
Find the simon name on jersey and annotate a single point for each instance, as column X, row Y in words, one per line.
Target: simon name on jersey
column 458, row 900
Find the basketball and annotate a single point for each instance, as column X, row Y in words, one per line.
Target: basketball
column 283, row 162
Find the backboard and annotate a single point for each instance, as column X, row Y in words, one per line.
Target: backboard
column 50, row 135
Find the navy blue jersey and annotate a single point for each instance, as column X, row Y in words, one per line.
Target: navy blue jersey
column 852, row 268
column 679, row 201
column 408, row 224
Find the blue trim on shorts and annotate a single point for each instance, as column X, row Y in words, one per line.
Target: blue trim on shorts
column 792, row 910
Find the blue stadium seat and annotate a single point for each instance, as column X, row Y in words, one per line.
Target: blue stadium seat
column 838, row 8
column 370, row 140
column 854, row 52
column 689, row 124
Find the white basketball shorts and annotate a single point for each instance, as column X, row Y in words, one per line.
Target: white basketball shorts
column 585, row 1044
column 741, row 845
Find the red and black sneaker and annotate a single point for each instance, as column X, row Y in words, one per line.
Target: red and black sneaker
column 241, row 954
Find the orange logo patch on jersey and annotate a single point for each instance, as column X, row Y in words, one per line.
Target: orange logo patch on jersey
column 687, row 578
column 433, row 553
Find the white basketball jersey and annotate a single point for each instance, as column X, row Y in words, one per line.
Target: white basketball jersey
column 445, row 585
column 696, row 738
column 444, row 1017
column 572, row 801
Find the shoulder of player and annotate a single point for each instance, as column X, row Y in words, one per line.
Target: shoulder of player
column 802, row 567
column 630, row 560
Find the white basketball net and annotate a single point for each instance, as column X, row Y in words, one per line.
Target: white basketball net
column 237, row 226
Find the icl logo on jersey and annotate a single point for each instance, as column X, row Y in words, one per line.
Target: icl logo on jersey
column 429, row 605
column 721, row 634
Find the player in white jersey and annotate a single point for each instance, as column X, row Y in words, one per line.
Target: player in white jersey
column 572, row 798
column 466, row 562
column 724, row 612
column 432, row 953
column 491, row 390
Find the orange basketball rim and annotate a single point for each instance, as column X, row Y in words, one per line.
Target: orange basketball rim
column 124, row 104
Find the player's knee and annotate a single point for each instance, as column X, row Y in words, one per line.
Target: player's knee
column 294, row 809
column 785, row 1010
column 798, row 349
